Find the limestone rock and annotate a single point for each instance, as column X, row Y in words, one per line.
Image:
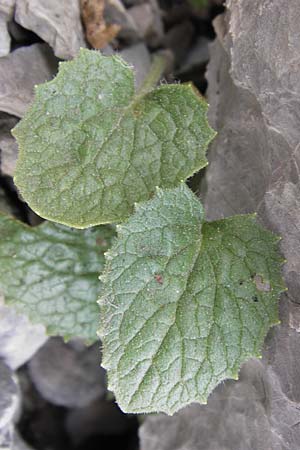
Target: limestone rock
column 67, row 374
column 57, row 22
column 20, row 71
column 9, row 404
column 254, row 95
column 196, row 57
column 139, row 58
column 8, row 144
column 147, row 17
column 6, row 14
column 9, row 395
column 19, row 339
column 179, row 39
column 252, row 413
column 265, row 57
column 116, row 13
column 4, row 38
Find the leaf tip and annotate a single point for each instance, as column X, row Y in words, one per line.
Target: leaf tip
column 98, row 333
column 137, row 206
column 102, row 277
column 108, row 256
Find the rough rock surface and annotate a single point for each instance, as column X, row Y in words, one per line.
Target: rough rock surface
column 261, row 411
column 20, row 71
column 147, row 17
column 139, row 58
column 179, row 39
column 19, row 339
column 8, row 144
column 57, row 22
column 68, row 374
column 9, row 403
column 116, row 13
column 196, row 57
column 6, row 14
column 254, row 95
column 234, row 419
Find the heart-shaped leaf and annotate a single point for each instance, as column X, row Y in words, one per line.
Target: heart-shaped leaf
column 90, row 147
column 185, row 302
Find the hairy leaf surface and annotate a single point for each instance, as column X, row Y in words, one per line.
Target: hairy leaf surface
column 185, row 302
column 51, row 272
column 90, row 147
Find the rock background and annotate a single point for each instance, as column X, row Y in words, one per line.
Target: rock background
column 52, row 394
column 254, row 96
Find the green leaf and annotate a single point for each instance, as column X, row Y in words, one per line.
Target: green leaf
column 51, row 272
column 90, row 147
column 185, row 302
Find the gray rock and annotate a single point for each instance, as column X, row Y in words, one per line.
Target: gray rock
column 294, row 316
column 255, row 160
column 20, row 71
column 107, row 50
column 8, row 144
column 9, row 395
column 197, row 56
column 265, row 59
column 9, row 404
column 179, row 39
column 252, row 413
column 115, row 13
column 148, row 20
column 254, row 94
column 7, row 8
column 139, row 58
column 256, row 116
column 6, row 14
column 19, row 339
column 57, row 22
column 68, row 374
column 19, row 34
column 4, row 38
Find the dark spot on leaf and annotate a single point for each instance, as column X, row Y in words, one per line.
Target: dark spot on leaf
column 159, row 278
column 241, row 282
column 101, row 242
column 255, row 298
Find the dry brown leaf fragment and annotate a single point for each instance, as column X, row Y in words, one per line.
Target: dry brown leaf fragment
column 98, row 33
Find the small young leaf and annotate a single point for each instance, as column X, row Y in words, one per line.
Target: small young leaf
column 51, row 272
column 90, row 147
column 181, row 307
